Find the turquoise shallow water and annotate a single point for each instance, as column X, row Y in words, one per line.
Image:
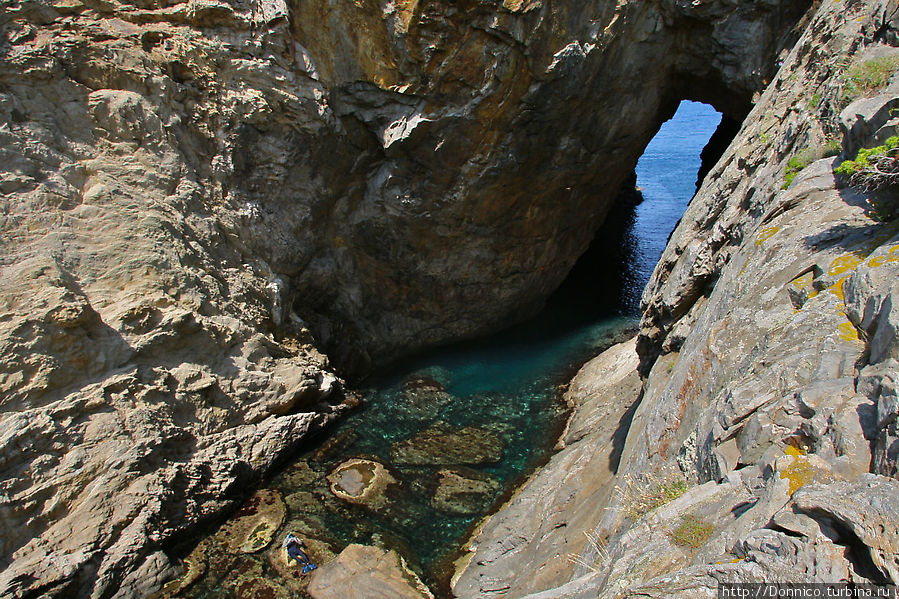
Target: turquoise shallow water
column 507, row 386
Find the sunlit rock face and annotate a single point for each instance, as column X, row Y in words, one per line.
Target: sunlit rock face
column 199, row 196
column 403, row 173
column 472, row 150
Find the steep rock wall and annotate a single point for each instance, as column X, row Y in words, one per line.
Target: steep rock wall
column 184, row 182
column 765, row 424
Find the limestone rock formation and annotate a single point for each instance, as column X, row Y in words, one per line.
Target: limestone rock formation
column 761, row 444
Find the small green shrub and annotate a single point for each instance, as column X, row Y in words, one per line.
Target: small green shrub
column 832, row 148
column 814, row 101
column 692, row 532
column 872, row 170
column 806, row 156
column 797, row 163
column 868, row 77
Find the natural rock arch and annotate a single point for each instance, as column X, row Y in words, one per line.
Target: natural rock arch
column 183, row 180
column 471, row 150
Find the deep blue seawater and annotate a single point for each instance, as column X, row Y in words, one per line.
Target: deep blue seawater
column 666, row 173
column 507, row 384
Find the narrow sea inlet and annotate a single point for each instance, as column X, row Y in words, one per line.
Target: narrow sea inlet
column 443, row 438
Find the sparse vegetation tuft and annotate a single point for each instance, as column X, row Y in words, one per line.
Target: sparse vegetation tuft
column 639, row 497
column 875, row 169
column 796, row 164
column 868, row 77
column 692, row 532
column 806, row 156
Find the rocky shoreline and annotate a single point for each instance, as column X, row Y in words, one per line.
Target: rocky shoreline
column 201, row 197
column 760, row 445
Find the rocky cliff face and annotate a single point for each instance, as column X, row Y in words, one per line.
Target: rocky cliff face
column 402, row 173
column 198, row 194
column 760, row 447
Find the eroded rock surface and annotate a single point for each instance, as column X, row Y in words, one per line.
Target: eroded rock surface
column 192, row 189
column 361, row 481
column 367, row 573
column 762, row 443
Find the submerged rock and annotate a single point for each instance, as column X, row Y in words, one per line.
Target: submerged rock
column 438, row 446
column 463, row 492
column 252, row 528
column 363, row 572
column 424, row 396
column 249, row 581
column 363, row 482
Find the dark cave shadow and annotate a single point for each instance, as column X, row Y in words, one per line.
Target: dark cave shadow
column 619, row 437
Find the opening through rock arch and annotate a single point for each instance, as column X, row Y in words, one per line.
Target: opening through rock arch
column 610, row 276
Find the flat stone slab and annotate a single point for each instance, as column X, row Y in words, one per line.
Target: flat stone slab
column 364, row 572
column 470, row 446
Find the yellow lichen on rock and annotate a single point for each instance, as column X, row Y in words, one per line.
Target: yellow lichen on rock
column 878, row 261
column 844, row 263
column 766, row 234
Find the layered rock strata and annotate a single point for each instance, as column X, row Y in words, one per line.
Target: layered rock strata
column 198, row 196
column 766, row 416
column 401, row 174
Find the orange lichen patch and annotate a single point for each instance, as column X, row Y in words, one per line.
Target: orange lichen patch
column 766, row 234
column 844, row 263
column 878, row 261
column 837, row 288
column 800, row 472
column 848, row 332
column 794, row 451
column 803, row 282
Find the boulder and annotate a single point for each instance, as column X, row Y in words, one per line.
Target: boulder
column 365, row 572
